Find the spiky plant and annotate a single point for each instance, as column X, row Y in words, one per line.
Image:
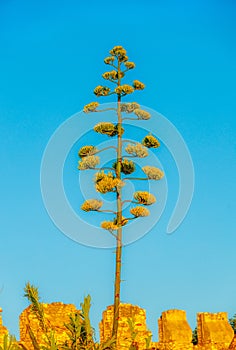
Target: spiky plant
column 79, row 330
column 9, row 343
column 133, row 333
column 32, row 294
column 114, row 180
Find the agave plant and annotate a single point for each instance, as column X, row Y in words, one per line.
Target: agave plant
column 115, row 180
column 79, row 330
column 9, row 343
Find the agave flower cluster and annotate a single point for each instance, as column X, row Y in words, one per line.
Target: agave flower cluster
column 150, row 142
column 137, row 150
column 120, row 53
column 101, row 90
column 113, row 225
column 144, row 197
column 152, row 172
column 113, row 75
column 129, row 107
column 124, row 89
column 91, row 107
column 139, row 211
column 138, row 85
column 106, row 128
column 109, row 60
column 127, row 166
column 141, row 114
column 129, row 65
column 89, row 162
column 106, row 182
column 87, row 151
column 109, row 226
column 91, row 205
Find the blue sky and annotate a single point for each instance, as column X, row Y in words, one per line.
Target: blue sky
column 51, row 59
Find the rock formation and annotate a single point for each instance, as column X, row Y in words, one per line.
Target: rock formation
column 214, row 330
column 56, row 315
column 126, row 311
column 174, row 331
column 3, row 330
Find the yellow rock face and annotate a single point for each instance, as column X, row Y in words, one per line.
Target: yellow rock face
column 233, row 344
column 56, row 315
column 214, row 331
column 3, row 330
column 126, row 311
column 174, row 331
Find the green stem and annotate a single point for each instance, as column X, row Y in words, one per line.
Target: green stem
column 129, row 201
column 105, row 167
column 135, row 178
column 112, row 80
column 104, row 110
column 104, row 149
column 106, row 211
column 134, row 142
column 129, row 118
column 119, row 218
column 111, row 64
column 113, row 234
column 132, row 156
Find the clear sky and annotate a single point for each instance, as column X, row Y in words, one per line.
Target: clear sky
column 51, row 58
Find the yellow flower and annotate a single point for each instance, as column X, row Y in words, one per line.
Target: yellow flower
column 86, row 151
column 150, row 142
column 106, row 182
column 138, row 85
column 129, row 65
column 141, row 114
column 91, row 107
column 123, row 58
column 139, row 211
column 119, row 90
column 127, row 166
column 106, row 128
column 91, row 205
column 101, row 90
column 88, row 162
column 106, row 75
column 152, row 172
column 124, row 89
column 129, row 107
column 109, row 225
column 120, row 53
column 144, row 197
column 111, row 75
column 137, row 150
column 109, row 60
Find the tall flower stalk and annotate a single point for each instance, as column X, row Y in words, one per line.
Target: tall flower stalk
column 114, row 179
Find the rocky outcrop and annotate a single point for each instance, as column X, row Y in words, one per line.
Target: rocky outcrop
column 214, row 331
column 137, row 316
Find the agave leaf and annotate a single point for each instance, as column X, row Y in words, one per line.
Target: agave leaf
column 108, row 344
column 33, row 338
